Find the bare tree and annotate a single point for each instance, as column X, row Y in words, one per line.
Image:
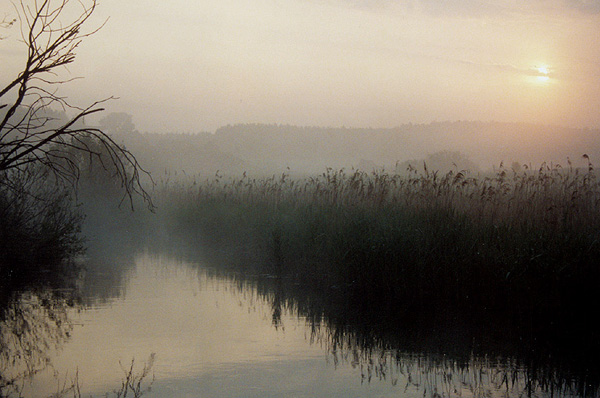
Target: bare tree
column 30, row 134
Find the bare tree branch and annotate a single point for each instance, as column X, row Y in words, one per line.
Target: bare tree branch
column 6, row 23
column 28, row 135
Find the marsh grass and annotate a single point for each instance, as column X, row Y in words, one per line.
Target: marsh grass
column 524, row 243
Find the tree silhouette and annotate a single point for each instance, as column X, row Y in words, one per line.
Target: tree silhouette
column 30, row 134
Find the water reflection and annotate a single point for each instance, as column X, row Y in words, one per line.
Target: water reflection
column 39, row 312
column 436, row 353
column 34, row 325
column 441, row 353
column 217, row 332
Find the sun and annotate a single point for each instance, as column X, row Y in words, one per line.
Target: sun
column 542, row 74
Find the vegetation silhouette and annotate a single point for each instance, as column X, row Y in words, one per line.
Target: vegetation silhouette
column 47, row 159
column 44, row 154
column 513, row 254
column 363, row 253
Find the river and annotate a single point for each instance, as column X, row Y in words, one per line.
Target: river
column 207, row 332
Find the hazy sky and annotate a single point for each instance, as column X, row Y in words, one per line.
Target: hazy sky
column 190, row 66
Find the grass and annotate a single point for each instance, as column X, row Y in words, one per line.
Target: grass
column 522, row 242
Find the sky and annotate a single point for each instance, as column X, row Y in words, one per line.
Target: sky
column 192, row 66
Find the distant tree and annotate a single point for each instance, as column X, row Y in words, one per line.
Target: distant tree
column 118, row 124
column 30, row 133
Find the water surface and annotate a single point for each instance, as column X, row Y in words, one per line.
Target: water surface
column 222, row 334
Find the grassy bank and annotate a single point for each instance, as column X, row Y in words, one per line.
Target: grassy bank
column 525, row 242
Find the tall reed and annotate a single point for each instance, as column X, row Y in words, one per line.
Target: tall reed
column 525, row 240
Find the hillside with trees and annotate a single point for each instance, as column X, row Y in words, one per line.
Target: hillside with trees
column 264, row 149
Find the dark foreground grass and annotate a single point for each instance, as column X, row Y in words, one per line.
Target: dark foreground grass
column 520, row 244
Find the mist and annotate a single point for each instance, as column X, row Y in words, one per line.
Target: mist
column 267, row 149
column 325, row 198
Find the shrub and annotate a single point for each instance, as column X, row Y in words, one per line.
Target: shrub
column 39, row 227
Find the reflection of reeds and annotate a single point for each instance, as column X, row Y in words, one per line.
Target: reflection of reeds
column 411, row 355
column 479, row 377
column 133, row 384
column 32, row 326
column 442, row 375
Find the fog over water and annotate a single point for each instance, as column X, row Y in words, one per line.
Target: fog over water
column 196, row 66
column 300, row 197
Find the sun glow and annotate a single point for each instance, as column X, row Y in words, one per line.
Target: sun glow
column 542, row 74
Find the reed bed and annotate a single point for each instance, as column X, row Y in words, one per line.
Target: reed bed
column 524, row 240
